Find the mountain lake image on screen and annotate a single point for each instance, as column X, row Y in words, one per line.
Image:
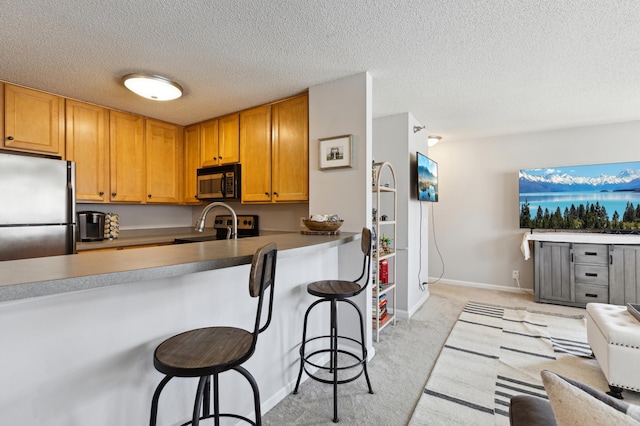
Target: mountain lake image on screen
column 597, row 196
column 427, row 178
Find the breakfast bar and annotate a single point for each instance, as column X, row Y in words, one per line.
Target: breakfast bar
column 77, row 332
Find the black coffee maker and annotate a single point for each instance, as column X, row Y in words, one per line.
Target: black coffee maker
column 90, row 226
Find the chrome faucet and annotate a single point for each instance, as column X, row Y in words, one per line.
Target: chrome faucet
column 200, row 223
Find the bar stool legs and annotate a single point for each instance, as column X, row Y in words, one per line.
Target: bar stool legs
column 203, row 400
column 334, row 350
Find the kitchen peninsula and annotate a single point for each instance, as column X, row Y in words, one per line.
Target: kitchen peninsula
column 77, row 332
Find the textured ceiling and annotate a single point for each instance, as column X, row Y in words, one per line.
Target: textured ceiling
column 465, row 69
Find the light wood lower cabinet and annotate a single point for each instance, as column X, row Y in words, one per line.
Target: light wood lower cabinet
column 33, row 121
column 127, row 157
column 87, row 145
column 163, row 148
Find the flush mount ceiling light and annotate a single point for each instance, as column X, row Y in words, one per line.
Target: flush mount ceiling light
column 433, row 139
column 152, row 87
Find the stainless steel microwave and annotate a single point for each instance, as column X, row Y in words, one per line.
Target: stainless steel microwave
column 219, row 183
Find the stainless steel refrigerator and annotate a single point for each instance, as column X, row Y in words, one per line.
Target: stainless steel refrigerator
column 37, row 207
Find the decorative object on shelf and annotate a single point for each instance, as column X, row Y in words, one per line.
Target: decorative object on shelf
column 325, row 222
column 335, row 152
column 111, row 226
column 385, row 245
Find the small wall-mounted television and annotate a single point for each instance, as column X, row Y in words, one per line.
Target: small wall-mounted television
column 604, row 197
column 427, row 172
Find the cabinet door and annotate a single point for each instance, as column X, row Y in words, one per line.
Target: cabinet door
column 86, row 144
column 624, row 275
column 255, row 150
column 191, row 163
column 209, row 143
column 229, row 139
column 126, row 152
column 163, row 144
column 34, row 121
column 553, row 278
column 291, row 150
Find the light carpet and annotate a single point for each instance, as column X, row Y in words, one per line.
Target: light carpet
column 495, row 352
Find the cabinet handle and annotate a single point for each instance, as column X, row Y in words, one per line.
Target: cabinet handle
column 149, row 195
column 591, row 274
column 571, row 257
column 590, row 253
column 266, row 193
column 590, row 295
column 10, row 138
column 113, row 194
column 219, row 158
column 275, row 193
column 101, row 193
column 610, row 259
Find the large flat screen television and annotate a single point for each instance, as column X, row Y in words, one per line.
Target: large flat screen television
column 427, row 171
column 596, row 196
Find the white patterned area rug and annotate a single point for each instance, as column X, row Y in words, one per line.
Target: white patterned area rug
column 495, row 352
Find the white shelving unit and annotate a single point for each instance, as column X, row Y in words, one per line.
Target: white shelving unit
column 384, row 227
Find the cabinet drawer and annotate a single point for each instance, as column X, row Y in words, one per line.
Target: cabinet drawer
column 592, row 293
column 591, row 274
column 591, row 253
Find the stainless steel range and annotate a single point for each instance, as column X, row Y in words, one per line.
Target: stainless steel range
column 248, row 226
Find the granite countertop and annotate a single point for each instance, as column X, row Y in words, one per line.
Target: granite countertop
column 59, row 274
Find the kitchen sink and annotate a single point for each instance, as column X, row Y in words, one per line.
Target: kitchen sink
column 203, row 238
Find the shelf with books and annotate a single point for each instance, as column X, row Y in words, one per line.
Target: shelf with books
column 384, row 236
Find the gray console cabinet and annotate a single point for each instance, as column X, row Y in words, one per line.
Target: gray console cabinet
column 575, row 274
column 624, row 274
column 553, row 272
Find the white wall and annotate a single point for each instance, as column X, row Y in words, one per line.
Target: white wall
column 86, row 357
column 395, row 142
column 142, row 216
column 344, row 107
column 273, row 217
column 476, row 219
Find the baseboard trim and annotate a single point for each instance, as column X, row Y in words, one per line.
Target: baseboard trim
column 481, row 285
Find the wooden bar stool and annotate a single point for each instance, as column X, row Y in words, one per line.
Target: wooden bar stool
column 334, row 291
column 207, row 352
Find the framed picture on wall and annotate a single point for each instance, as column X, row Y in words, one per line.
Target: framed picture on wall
column 335, row 152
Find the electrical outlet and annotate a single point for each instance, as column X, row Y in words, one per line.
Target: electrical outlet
column 515, row 275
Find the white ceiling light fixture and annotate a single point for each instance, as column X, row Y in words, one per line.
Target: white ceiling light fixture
column 152, row 87
column 432, row 140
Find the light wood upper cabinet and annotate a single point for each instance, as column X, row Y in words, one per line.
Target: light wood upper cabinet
column 33, row 121
column 255, row 150
column 127, row 157
column 220, row 141
column 274, row 147
column 163, row 145
column 191, row 163
column 208, row 132
column 87, row 145
column 290, row 155
column 229, row 139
